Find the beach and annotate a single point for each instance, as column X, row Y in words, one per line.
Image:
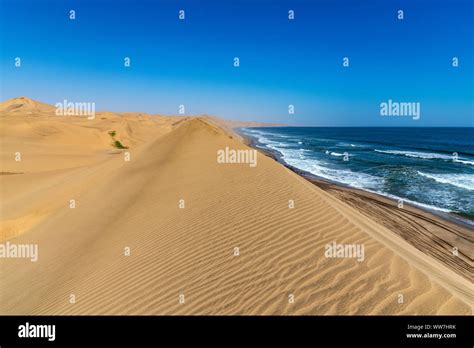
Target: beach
column 158, row 225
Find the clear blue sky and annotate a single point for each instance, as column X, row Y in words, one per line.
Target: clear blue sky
column 283, row 62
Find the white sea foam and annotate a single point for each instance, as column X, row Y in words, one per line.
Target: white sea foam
column 337, row 154
column 424, row 155
column 319, row 168
column 422, row 205
column 465, row 181
column 351, row 145
column 465, row 162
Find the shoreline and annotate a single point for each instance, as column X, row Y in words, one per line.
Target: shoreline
column 435, row 233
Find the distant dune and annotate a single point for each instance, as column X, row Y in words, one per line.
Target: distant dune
column 25, row 106
column 204, row 237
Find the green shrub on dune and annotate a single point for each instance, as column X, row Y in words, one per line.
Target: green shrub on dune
column 115, row 142
column 119, row 145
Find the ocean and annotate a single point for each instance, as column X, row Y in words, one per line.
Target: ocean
column 429, row 167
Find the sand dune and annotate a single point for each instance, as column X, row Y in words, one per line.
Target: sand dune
column 25, row 106
column 190, row 250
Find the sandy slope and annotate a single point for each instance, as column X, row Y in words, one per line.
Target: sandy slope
column 424, row 230
column 190, row 251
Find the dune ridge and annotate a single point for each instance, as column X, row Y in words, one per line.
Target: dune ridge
column 190, row 251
